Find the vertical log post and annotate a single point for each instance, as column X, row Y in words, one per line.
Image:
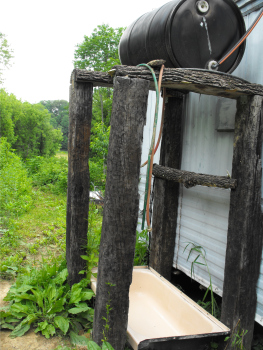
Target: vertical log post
column 80, row 114
column 244, row 240
column 121, row 206
column 166, row 193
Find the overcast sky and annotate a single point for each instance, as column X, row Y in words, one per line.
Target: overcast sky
column 43, row 36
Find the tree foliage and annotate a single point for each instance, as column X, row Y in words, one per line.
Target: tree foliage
column 15, row 185
column 99, row 142
column 59, row 117
column 27, row 127
column 102, row 105
column 5, row 55
column 99, row 52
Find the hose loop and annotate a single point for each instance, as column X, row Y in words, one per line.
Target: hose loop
column 151, row 150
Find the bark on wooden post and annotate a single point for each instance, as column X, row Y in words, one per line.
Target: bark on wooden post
column 190, row 179
column 166, row 193
column 80, row 114
column 244, row 241
column 121, row 206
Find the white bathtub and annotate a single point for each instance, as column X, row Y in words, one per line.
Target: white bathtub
column 161, row 316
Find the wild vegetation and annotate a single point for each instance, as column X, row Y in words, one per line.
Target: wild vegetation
column 27, row 127
column 33, row 185
column 33, row 208
column 58, row 110
column 32, row 249
column 99, row 52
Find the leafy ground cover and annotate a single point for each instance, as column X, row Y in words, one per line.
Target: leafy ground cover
column 40, row 232
column 32, row 255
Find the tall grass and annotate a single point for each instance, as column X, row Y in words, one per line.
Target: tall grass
column 49, row 173
column 32, row 222
column 16, row 194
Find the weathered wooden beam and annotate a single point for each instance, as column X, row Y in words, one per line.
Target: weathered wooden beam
column 244, row 238
column 80, row 114
column 166, row 193
column 195, row 80
column 121, row 207
column 190, row 179
column 96, row 78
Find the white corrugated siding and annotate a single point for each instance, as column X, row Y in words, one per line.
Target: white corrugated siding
column 203, row 216
column 203, row 212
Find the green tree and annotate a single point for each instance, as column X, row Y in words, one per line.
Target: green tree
column 27, row 127
column 59, row 117
column 99, row 142
column 35, row 134
column 5, row 55
column 99, row 52
column 102, row 105
column 7, row 105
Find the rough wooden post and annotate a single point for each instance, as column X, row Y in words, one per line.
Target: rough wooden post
column 121, row 206
column 244, row 240
column 166, row 193
column 80, row 114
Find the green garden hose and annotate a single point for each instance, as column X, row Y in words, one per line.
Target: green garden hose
column 152, row 141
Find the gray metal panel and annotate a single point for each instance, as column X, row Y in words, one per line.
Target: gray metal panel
column 203, row 214
column 208, row 148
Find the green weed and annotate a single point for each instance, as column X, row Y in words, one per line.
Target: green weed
column 210, row 306
column 43, row 299
column 141, row 248
column 16, row 194
column 49, row 173
column 42, row 227
column 93, row 240
column 106, row 329
column 237, row 337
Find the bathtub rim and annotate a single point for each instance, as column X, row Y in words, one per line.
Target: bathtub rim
column 137, row 345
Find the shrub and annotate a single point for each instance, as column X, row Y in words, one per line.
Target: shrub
column 43, row 299
column 16, row 195
column 49, row 173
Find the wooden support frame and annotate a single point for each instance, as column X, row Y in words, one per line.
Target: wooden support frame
column 121, row 208
column 80, row 114
column 195, row 80
column 166, row 193
column 245, row 231
column 243, row 248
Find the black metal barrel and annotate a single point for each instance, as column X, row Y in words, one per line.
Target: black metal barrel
column 187, row 34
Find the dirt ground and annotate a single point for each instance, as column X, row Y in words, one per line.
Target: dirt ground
column 29, row 341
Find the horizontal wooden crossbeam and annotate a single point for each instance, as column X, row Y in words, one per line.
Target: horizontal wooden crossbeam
column 195, row 80
column 191, row 179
